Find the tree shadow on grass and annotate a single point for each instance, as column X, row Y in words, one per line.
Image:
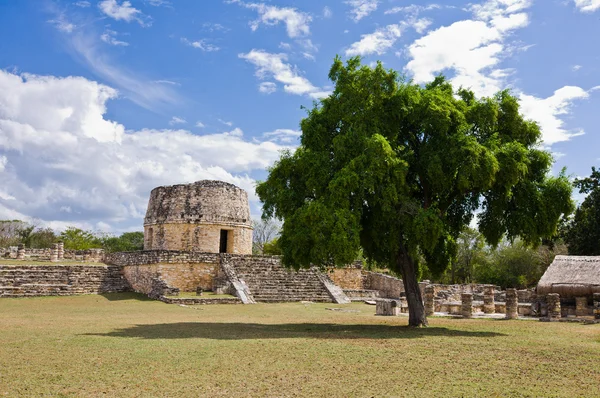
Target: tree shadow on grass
column 249, row 331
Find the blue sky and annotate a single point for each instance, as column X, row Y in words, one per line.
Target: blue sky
column 100, row 101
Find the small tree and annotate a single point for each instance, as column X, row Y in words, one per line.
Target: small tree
column 265, row 230
column 78, row 239
column 398, row 169
column 583, row 233
column 128, row 241
column 470, row 253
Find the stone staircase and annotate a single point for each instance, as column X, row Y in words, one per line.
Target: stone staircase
column 270, row 282
column 59, row 280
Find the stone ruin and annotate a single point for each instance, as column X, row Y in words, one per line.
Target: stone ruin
column 198, row 237
column 206, row 216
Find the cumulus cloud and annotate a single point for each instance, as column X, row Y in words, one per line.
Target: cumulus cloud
column 177, row 120
column 199, row 124
column 58, row 151
column 270, row 65
column 377, row 42
column 123, row 11
column 587, row 5
column 109, row 37
column 471, row 48
column 547, row 112
column 361, row 8
column 327, row 13
column 267, row 87
column 201, row 44
column 297, row 23
column 283, row 136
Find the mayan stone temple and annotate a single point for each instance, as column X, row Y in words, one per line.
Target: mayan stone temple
column 206, row 216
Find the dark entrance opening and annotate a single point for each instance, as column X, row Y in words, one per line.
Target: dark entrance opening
column 223, row 241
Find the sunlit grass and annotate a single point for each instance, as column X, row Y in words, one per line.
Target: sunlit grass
column 126, row 345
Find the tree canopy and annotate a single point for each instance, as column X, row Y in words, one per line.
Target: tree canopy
column 583, row 233
column 398, row 169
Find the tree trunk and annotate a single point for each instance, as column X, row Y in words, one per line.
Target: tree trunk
column 416, row 309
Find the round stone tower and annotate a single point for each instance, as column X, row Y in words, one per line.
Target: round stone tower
column 206, row 216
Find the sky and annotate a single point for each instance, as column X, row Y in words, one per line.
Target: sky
column 101, row 101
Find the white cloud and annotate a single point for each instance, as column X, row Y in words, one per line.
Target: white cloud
column 587, row 5
column 377, row 42
column 226, row 123
column 575, row 68
column 471, row 48
column 272, row 65
column 414, row 9
column 284, row 136
column 362, row 8
column 421, row 25
column 201, row 44
column 109, row 36
column 199, row 124
column 297, row 22
column 62, row 24
column 82, row 4
column 177, row 120
column 122, row 12
column 267, row 87
column 547, row 112
column 58, row 151
column 327, row 13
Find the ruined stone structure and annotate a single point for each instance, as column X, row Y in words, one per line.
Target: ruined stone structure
column 206, row 216
column 60, row 280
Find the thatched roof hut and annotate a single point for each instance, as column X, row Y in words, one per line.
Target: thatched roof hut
column 571, row 276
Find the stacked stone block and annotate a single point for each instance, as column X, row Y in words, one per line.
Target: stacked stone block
column 597, row 305
column 21, row 252
column 54, row 255
column 581, row 306
column 553, row 301
column 467, row 305
column 512, row 304
column 489, row 305
column 429, row 300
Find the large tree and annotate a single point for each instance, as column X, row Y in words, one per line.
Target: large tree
column 398, row 169
column 583, row 233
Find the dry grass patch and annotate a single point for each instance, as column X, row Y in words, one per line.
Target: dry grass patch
column 126, row 345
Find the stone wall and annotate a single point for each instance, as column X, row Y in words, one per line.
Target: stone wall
column 348, row 278
column 388, row 286
column 60, row 280
column 198, row 237
column 92, row 256
column 182, row 270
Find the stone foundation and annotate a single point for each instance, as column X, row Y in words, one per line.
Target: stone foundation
column 60, row 280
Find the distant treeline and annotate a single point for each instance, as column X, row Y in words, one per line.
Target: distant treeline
column 15, row 232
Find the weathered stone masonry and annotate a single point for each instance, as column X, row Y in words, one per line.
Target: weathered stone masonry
column 206, row 216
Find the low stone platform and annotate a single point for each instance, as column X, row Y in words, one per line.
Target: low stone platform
column 199, row 300
column 361, row 294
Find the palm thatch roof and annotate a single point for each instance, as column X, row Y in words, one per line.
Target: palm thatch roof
column 571, row 276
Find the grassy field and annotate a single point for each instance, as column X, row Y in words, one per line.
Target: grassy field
column 125, row 345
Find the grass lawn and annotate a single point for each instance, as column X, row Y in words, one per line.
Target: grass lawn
column 128, row 346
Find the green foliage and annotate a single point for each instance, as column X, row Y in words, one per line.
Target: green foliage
column 516, row 265
column 272, row 248
column 398, row 169
column 128, row 241
column 78, row 239
column 15, row 232
column 583, row 233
